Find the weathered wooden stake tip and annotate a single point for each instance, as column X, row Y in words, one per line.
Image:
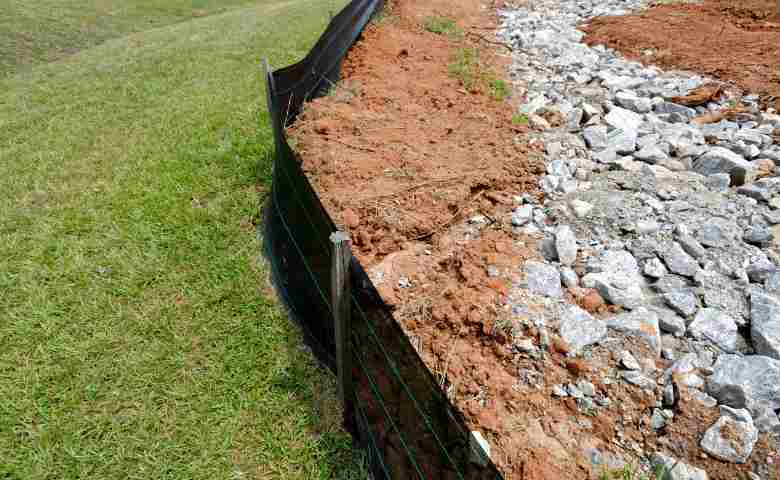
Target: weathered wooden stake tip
column 341, row 298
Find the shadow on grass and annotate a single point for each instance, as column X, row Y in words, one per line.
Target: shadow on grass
column 304, row 378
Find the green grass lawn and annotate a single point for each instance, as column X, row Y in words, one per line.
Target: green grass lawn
column 44, row 30
column 137, row 336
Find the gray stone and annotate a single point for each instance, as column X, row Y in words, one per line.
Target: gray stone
column 759, row 236
column 615, row 275
column 750, row 382
column 589, row 111
column 569, row 278
column 721, row 160
column 723, row 293
column 628, row 361
column 759, row 270
column 658, row 419
column 547, row 248
column 682, row 138
column 671, row 284
column 673, row 165
column 668, row 395
column 716, row 326
column 573, row 391
column 566, row 245
column 691, row 380
column 770, row 119
column 543, row 279
column 683, row 302
column 772, row 283
column 579, row 328
column 772, row 154
column 668, row 321
column 580, row 208
column 755, row 192
column 749, row 136
column 691, row 246
column 651, row 154
column 679, row 261
column 587, row 388
column 559, row 168
column 654, row 268
column 606, row 156
column 640, row 323
column 747, row 151
column 632, row 102
column 712, row 235
column 674, row 469
column 703, row 399
column 766, row 420
column 684, row 365
column 772, row 217
column 669, row 108
column 644, row 227
column 765, row 324
column 623, row 119
column 550, row 183
column 718, row 182
column 652, row 139
column 636, row 378
column 689, row 152
column 617, row 290
column 522, row 215
column 732, row 437
column 622, row 141
column 595, row 137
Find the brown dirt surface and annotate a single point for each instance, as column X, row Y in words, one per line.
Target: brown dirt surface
column 735, row 41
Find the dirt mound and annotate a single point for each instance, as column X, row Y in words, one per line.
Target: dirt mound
column 737, row 42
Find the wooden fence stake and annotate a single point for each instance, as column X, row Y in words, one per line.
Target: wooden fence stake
column 341, row 301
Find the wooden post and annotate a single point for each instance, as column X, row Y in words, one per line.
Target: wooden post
column 341, row 301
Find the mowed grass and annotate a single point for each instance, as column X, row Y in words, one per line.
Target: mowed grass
column 39, row 31
column 138, row 339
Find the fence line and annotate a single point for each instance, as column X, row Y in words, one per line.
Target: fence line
column 393, row 405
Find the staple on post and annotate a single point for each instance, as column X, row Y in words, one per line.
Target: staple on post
column 341, row 297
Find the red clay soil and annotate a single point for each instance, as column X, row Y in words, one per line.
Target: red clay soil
column 422, row 172
column 734, row 40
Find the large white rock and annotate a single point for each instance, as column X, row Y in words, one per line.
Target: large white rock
column 732, row 437
column 580, row 329
column 566, row 245
column 765, row 324
column 641, row 323
column 722, row 160
column 716, row 326
column 623, row 119
column 751, row 382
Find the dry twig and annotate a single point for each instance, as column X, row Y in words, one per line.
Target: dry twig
column 487, row 40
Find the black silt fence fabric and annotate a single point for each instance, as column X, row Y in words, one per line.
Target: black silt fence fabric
column 396, row 411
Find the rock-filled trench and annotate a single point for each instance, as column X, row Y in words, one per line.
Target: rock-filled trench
column 663, row 196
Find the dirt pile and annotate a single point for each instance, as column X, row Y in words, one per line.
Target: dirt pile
column 734, row 41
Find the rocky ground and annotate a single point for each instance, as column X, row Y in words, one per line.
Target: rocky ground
column 661, row 223
column 593, row 277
